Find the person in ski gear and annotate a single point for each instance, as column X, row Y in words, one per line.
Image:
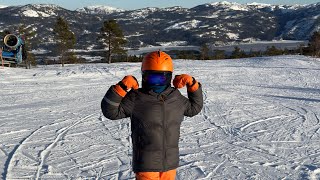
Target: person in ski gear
column 156, row 111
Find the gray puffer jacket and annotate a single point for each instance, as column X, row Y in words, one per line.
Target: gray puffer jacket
column 155, row 124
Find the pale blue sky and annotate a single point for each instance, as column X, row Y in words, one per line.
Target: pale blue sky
column 136, row 4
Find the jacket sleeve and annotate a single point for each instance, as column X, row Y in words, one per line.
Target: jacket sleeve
column 194, row 102
column 115, row 107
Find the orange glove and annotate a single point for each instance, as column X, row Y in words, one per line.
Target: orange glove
column 182, row 80
column 128, row 82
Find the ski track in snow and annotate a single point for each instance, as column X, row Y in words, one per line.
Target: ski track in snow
column 260, row 121
column 45, row 153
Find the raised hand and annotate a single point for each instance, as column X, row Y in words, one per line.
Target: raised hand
column 127, row 83
column 182, row 80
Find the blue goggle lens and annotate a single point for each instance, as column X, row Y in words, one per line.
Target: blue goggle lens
column 157, row 78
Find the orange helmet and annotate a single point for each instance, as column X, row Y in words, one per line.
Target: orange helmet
column 157, row 61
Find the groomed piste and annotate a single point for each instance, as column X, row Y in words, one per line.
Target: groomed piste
column 261, row 120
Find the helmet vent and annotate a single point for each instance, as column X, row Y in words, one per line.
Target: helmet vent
column 159, row 53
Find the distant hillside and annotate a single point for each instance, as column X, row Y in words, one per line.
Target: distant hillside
column 217, row 23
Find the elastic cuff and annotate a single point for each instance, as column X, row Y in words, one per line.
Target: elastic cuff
column 118, row 89
column 123, row 86
column 194, row 87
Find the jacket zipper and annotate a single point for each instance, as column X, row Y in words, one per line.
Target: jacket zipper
column 164, row 134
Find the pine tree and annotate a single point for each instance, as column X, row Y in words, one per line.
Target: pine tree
column 273, row 51
column 219, row 54
column 237, row 53
column 253, row 53
column 66, row 39
column 113, row 39
column 314, row 44
column 27, row 34
column 204, row 52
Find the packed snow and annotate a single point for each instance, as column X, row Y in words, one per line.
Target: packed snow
column 260, row 121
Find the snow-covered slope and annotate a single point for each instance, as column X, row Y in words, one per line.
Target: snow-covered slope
column 230, row 5
column 99, row 9
column 261, row 120
column 40, row 10
column 301, row 21
column 185, row 25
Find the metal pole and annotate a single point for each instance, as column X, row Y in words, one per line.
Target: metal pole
column 1, row 58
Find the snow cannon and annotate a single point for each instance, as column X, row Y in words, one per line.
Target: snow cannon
column 12, row 41
column 13, row 49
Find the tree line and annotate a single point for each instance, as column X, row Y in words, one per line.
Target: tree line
column 112, row 40
column 313, row 49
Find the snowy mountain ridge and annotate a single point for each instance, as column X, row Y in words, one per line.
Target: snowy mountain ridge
column 218, row 23
column 99, row 9
column 253, row 6
column 230, row 5
column 3, row 6
column 40, row 10
column 103, row 9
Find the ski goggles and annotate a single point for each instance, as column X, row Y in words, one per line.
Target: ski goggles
column 157, row 78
